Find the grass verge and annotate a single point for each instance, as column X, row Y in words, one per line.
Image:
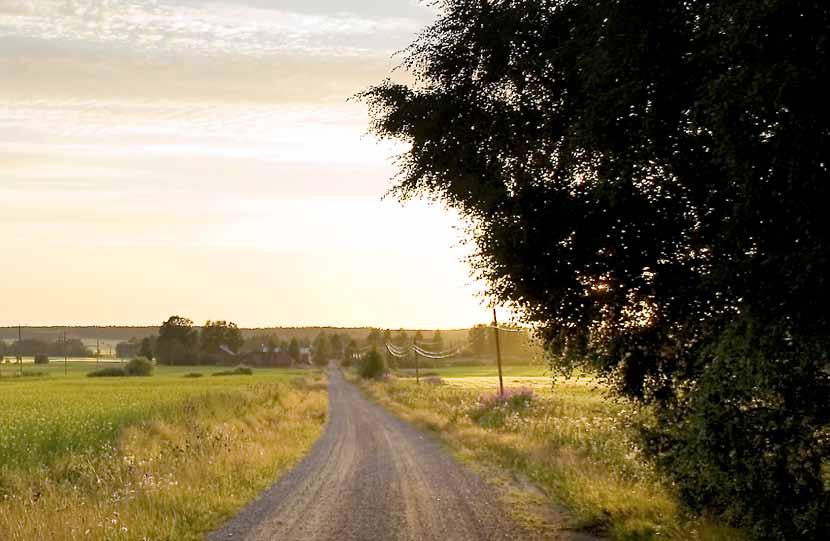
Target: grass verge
column 571, row 441
column 165, row 458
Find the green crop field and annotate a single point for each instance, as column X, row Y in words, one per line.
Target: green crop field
column 161, row 457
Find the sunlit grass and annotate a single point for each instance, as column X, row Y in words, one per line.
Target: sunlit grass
column 164, row 457
column 573, row 441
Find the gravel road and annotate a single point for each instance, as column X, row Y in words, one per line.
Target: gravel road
column 372, row 476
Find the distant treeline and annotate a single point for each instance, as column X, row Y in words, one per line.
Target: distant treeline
column 29, row 347
column 127, row 333
column 179, row 342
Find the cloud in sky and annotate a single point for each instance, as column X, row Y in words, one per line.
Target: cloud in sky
column 205, row 28
column 204, row 139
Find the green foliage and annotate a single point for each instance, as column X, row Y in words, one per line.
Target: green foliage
column 649, row 186
column 193, row 375
column 321, row 350
column 372, row 365
column 29, row 347
column 108, row 372
column 294, row 350
column 220, row 333
column 148, row 347
column 349, row 353
column 128, row 349
column 139, row 366
column 41, row 359
column 177, row 342
column 494, row 409
column 238, row 371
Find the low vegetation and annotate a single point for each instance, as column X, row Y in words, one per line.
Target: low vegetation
column 146, row 458
column 238, row 371
column 136, row 367
column 570, row 440
column 372, row 365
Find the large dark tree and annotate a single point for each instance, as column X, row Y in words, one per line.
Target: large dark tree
column 177, row 342
column 647, row 182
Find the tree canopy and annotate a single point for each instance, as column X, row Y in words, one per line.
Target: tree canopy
column 647, row 183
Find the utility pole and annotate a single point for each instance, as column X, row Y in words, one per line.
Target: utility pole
column 20, row 348
column 97, row 351
column 415, row 352
column 498, row 351
column 65, row 365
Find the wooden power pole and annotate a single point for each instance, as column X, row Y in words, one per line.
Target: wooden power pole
column 65, row 364
column 498, row 352
column 415, row 352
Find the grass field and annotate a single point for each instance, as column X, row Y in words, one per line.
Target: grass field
column 571, row 440
column 162, row 457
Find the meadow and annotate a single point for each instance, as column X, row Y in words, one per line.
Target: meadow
column 572, row 441
column 160, row 457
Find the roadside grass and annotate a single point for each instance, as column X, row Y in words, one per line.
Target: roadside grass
column 572, row 441
column 535, row 370
column 162, row 458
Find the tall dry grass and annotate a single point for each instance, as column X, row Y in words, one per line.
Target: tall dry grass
column 571, row 440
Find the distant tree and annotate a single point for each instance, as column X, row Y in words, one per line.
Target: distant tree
column 478, row 337
column 375, row 337
column 220, row 333
column 177, row 342
column 647, row 183
column 321, row 350
column 372, row 366
column 71, row 347
column 40, row 358
column 349, row 353
column 437, row 341
column 294, row 350
column 29, row 347
column 419, row 336
column 128, row 349
column 401, row 338
column 336, row 343
column 148, row 347
column 387, row 336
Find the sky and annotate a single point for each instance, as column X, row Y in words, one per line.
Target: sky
column 202, row 158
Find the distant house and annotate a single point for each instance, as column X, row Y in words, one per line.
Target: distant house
column 266, row 358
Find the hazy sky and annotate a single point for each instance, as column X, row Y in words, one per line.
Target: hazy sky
column 199, row 157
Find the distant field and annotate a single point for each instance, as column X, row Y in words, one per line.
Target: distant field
column 485, row 371
column 162, row 457
column 572, row 440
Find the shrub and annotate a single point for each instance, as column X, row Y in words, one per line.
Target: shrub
column 108, row 372
column 193, row 375
column 28, row 374
column 493, row 409
column 372, row 366
column 40, row 358
column 238, row 371
column 140, row 366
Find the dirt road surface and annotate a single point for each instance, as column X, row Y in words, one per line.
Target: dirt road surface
column 372, row 477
